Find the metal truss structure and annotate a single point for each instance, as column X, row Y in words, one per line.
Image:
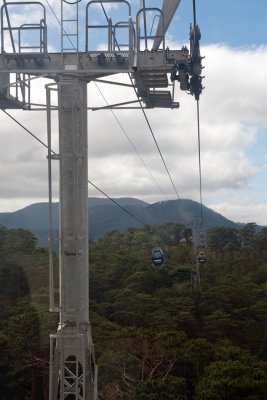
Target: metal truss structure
column 154, row 68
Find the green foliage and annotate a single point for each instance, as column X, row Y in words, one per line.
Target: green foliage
column 143, row 309
column 223, row 238
column 233, row 379
column 14, row 240
column 171, row 388
column 24, row 319
column 156, row 337
column 247, row 233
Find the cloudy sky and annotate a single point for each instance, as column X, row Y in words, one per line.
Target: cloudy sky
column 123, row 158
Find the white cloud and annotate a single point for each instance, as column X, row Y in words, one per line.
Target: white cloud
column 232, row 115
column 244, row 211
column 235, row 83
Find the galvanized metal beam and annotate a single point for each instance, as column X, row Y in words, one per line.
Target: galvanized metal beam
column 73, row 342
column 168, row 10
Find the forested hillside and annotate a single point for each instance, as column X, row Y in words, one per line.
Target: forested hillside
column 156, row 337
column 105, row 215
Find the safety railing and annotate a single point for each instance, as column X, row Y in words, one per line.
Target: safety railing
column 29, row 37
column 111, row 33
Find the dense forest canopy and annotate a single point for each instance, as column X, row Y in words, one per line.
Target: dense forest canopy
column 156, row 336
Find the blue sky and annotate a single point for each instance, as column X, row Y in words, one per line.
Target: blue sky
column 235, row 22
column 233, row 123
column 238, row 24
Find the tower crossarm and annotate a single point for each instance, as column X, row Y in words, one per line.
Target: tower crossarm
column 153, row 66
column 152, row 73
column 91, row 62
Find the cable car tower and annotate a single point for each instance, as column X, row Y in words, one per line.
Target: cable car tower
column 153, row 67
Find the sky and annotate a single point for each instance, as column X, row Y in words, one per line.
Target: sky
column 123, row 159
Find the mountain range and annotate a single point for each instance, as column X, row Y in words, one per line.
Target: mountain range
column 116, row 214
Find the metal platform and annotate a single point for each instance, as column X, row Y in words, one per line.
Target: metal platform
column 147, row 82
column 159, row 99
column 153, row 69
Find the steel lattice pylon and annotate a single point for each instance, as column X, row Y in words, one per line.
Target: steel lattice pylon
column 154, row 70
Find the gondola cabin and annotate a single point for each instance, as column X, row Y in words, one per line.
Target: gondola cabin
column 202, row 238
column 157, row 257
column 201, row 257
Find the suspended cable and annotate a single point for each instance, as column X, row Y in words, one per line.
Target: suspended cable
column 117, row 204
column 141, row 105
column 156, row 143
column 194, row 14
column 113, row 115
column 154, row 138
column 201, row 257
column 91, row 183
column 199, row 166
column 149, row 172
column 132, row 144
column 146, row 118
column 27, row 130
column 53, row 12
column 198, row 128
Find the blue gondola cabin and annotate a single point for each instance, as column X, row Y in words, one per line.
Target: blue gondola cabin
column 157, row 257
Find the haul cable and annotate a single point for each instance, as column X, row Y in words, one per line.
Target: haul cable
column 91, row 183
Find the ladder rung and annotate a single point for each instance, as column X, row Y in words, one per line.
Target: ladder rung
column 69, row 23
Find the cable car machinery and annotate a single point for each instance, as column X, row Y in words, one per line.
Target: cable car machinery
column 73, row 372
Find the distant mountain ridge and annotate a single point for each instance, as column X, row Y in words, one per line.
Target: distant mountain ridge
column 105, row 215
